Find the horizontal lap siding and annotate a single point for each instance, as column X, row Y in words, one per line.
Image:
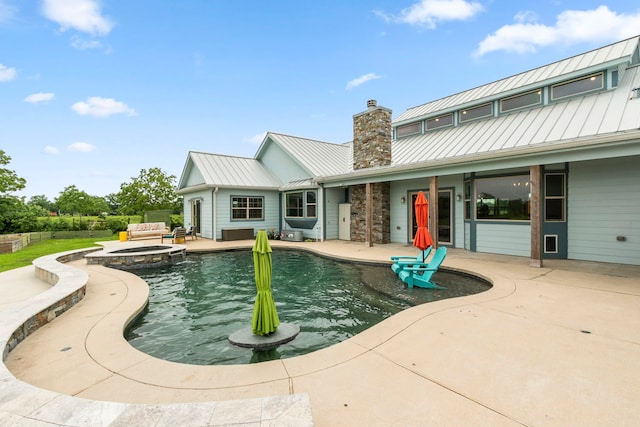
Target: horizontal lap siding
column 603, row 203
column 507, row 239
column 271, row 210
column 206, row 211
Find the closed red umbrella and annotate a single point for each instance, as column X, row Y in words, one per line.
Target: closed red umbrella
column 422, row 239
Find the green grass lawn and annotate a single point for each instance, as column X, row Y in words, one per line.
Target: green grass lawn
column 25, row 256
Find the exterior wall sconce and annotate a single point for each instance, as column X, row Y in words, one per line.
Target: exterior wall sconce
column 458, row 197
column 403, row 200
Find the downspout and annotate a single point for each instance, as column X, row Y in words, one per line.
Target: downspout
column 214, row 196
column 323, row 223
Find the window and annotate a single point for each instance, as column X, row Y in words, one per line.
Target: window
column 483, row 110
column 244, row 208
column 467, row 200
column 520, row 101
column 503, row 198
column 301, row 204
column 554, row 197
column 409, row 129
column 439, row 122
column 578, row 86
column 311, row 204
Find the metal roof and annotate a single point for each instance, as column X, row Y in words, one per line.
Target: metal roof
column 228, row 171
column 586, row 117
column 317, row 157
column 617, row 53
column 610, row 116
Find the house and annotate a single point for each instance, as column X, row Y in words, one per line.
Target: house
column 543, row 164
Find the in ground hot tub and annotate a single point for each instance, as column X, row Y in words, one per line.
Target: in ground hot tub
column 138, row 256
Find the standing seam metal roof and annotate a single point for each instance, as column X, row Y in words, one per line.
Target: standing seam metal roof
column 318, row 157
column 618, row 52
column 604, row 113
column 228, row 171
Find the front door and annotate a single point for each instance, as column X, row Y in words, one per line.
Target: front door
column 554, row 216
column 196, row 207
column 445, row 216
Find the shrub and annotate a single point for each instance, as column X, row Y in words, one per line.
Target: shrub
column 116, row 224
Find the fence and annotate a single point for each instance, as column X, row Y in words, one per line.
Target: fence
column 14, row 242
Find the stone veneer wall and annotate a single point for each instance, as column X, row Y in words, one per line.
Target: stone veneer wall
column 381, row 232
column 372, row 137
column 371, row 148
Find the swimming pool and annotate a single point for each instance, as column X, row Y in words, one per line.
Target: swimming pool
column 195, row 305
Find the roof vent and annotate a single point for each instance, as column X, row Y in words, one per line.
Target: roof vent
column 635, row 93
column 372, row 103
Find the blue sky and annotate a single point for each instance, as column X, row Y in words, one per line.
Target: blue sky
column 91, row 92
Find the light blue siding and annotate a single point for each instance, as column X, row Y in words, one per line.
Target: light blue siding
column 506, row 239
column 194, row 176
column 400, row 227
column 282, row 165
column 467, row 236
column 206, row 213
column 604, row 203
column 223, row 210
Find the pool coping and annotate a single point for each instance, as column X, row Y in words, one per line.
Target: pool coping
column 69, row 287
column 23, row 402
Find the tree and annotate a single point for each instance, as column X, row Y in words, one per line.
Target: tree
column 9, row 181
column 42, row 201
column 14, row 214
column 151, row 190
column 112, row 202
column 72, row 201
column 99, row 205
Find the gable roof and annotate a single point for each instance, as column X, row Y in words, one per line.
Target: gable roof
column 614, row 54
column 318, row 158
column 227, row 172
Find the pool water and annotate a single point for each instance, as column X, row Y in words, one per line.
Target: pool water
column 195, row 305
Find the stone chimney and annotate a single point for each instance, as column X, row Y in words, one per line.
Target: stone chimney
column 371, row 147
column 372, row 137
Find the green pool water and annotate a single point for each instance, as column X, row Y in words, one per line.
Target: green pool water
column 195, row 305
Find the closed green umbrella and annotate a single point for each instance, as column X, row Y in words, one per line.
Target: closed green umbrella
column 265, row 317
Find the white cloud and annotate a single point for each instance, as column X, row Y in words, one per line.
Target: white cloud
column 430, row 12
column 257, row 139
column 84, row 44
column 102, row 107
column 7, row 12
column 571, row 27
column 39, row 97
column 81, row 15
column 7, row 73
column 51, row 150
column 81, row 147
column 361, row 80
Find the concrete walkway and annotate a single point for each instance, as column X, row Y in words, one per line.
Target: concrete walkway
column 552, row 346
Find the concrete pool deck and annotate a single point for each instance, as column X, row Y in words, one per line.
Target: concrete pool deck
column 557, row 346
